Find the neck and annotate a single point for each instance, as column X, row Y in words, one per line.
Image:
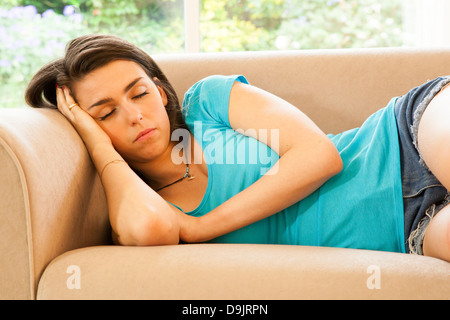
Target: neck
column 162, row 170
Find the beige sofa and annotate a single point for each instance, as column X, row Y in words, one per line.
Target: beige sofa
column 54, row 230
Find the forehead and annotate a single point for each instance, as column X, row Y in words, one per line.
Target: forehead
column 113, row 76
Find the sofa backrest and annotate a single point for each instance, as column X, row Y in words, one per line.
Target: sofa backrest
column 338, row 89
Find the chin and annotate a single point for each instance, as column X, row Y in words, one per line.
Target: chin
column 145, row 154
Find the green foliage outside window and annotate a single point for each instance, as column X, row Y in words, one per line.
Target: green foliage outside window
column 34, row 32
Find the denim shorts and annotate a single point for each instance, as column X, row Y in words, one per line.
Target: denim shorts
column 423, row 194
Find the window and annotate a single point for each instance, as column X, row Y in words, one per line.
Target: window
column 230, row 25
column 33, row 32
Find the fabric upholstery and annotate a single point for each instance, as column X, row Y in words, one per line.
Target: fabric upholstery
column 53, row 212
column 243, row 272
column 338, row 89
column 52, row 199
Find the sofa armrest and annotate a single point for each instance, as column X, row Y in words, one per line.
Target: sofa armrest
column 242, row 272
column 51, row 199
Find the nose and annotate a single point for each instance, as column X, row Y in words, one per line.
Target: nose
column 133, row 113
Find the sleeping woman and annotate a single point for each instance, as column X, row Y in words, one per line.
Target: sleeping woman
column 236, row 164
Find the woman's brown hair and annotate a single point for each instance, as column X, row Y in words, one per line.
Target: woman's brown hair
column 87, row 53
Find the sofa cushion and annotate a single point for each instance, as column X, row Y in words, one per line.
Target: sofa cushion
column 241, row 272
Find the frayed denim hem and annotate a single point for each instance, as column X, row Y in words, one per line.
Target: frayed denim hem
column 415, row 241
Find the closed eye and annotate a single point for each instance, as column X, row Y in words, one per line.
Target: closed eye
column 140, row 95
column 107, row 115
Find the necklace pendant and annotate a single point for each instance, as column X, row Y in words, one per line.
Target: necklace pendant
column 190, row 177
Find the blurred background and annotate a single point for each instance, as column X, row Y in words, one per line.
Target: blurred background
column 35, row 32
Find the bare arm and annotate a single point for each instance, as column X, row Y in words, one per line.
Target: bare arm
column 138, row 215
column 307, row 160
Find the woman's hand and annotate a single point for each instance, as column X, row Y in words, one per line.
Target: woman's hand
column 189, row 227
column 89, row 130
column 138, row 215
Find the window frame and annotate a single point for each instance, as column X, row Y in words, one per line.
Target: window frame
column 192, row 26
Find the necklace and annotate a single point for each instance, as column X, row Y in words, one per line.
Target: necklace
column 186, row 175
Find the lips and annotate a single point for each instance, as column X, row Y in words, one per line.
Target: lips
column 144, row 135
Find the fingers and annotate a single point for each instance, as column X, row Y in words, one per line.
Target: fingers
column 65, row 102
column 88, row 129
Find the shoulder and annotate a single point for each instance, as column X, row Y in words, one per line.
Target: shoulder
column 208, row 99
column 212, row 86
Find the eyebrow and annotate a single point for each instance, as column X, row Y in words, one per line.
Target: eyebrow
column 106, row 100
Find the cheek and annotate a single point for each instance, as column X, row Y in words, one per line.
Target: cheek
column 115, row 134
column 157, row 114
column 165, row 125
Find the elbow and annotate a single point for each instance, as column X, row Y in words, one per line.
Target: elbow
column 157, row 232
column 337, row 164
column 332, row 160
column 152, row 231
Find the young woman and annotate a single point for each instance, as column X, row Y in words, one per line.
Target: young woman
column 250, row 168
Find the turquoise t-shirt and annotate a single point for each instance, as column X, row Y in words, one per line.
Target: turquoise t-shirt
column 359, row 208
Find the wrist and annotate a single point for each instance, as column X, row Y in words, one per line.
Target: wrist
column 102, row 154
column 102, row 150
column 190, row 228
column 98, row 148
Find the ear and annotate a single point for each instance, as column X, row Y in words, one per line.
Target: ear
column 162, row 92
